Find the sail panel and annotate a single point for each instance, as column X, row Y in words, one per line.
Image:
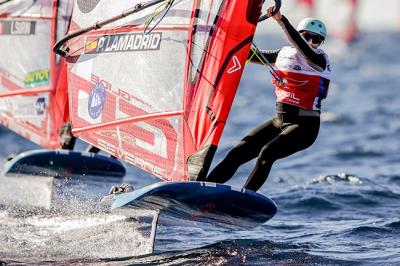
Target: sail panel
column 126, row 78
column 20, row 69
column 27, row 8
column 215, row 88
column 29, row 71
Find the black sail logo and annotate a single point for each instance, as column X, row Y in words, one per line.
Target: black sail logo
column 86, row 6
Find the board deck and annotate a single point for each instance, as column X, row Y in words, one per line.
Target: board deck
column 201, row 202
column 63, row 163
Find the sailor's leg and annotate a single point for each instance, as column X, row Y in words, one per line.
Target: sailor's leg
column 248, row 149
column 68, row 143
column 67, row 140
column 294, row 138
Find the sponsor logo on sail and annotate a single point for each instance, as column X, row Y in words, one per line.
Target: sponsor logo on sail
column 236, row 65
column 40, row 106
column 37, row 77
column 17, row 27
column 123, row 43
column 96, row 100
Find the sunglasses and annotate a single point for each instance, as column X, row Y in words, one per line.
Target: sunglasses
column 314, row 38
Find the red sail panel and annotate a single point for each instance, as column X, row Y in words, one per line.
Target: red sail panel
column 216, row 86
column 158, row 100
column 33, row 93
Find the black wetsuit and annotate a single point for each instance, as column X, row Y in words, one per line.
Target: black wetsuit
column 289, row 131
column 67, row 140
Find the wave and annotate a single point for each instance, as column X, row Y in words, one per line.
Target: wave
column 314, row 204
column 238, row 252
column 369, row 231
column 357, row 152
column 393, row 225
column 337, row 119
column 395, row 179
column 341, row 177
column 348, row 194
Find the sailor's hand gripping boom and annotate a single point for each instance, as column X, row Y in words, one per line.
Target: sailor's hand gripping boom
column 276, row 8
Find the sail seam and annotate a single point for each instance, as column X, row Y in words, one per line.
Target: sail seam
column 129, row 120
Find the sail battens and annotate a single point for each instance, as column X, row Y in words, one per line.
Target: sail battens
column 136, row 119
column 25, row 92
column 33, row 93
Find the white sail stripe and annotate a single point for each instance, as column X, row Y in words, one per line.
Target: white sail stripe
column 160, row 140
column 128, row 120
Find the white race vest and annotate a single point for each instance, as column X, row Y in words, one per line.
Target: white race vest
column 302, row 85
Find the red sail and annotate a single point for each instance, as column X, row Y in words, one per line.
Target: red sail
column 33, row 90
column 158, row 96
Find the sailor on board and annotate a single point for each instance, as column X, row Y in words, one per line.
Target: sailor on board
column 301, row 83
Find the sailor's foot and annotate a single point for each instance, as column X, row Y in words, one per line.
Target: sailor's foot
column 123, row 188
column 115, row 190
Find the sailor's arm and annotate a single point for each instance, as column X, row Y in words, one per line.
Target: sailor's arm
column 315, row 59
column 270, row 55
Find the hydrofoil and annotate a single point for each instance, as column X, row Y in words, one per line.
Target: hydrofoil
column 63, row 163
column 216, row 204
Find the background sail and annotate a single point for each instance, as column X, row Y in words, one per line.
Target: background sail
column 33, row 91
column 158, row 100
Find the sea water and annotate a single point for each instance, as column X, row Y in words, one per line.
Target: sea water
column 338, row 201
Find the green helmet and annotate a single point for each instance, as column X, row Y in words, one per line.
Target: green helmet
column 313, row 25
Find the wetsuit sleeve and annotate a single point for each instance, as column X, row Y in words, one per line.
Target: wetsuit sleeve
column 270, row 55
column 315, row 59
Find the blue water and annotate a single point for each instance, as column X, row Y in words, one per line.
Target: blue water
column 338, row 201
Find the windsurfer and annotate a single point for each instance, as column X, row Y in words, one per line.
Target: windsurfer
column 301, row 84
